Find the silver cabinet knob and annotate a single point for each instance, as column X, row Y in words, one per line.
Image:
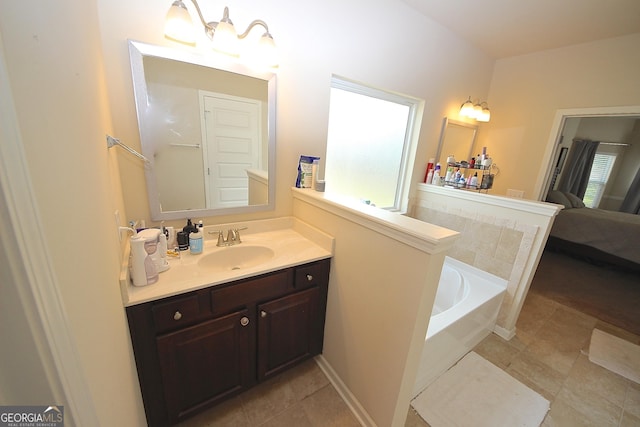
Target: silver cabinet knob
column 244, row 321
column 177, row 315
column 263, row 313
column 309, row 277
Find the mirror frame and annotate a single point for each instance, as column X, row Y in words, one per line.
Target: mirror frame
column 443, row 133
column 137, row 51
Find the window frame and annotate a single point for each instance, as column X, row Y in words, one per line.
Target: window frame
column 412, row 132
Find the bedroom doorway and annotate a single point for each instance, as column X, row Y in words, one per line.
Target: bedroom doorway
column 614, row 123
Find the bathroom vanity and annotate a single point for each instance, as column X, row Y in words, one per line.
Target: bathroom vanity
column 196, row 348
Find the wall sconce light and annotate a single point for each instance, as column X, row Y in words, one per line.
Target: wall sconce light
column 223, row 35
column 478, row 111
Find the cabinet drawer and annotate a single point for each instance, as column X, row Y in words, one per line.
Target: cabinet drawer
column 176, row 313
column 240, row 294
column 310, row 275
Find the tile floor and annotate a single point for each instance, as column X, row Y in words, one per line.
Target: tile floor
column 300, row 397
column 547, row 354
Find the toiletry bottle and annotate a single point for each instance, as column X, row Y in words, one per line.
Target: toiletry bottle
column 428, row 176
column 315, row 165
column 472, row 163
column 196, row 240
column 449, row 175
column 436, row 175
column 189, row 227
column 474, row 181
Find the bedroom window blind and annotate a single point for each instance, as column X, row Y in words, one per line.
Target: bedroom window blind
column 600, row 172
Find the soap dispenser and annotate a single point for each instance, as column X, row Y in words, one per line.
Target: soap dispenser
column 196, row 239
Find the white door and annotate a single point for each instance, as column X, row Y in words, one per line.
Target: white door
column 231, row 135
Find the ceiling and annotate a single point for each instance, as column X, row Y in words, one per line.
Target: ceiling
column 504, row 28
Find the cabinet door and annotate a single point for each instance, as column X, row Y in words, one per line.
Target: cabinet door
column 290, row 329
column 205, row 363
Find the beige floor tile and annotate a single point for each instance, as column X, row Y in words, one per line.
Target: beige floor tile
column 591, row 405
column 226, row 414
column 629, row 420
column 305, row 379
column 535, row 312
column 537, row 375
column 632, row 400
column 559, row 357
column 293, row 416
column 591, row 378
column 267, row 400
column 497, row 351
column 414, row 420
column 524, row 338
column 326, row 408
column 563, row 415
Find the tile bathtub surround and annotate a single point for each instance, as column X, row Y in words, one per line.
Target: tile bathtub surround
column 497, row 245
column 548, row 355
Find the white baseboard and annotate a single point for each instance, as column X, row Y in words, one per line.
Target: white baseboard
column 356, row 408
column 504, row 333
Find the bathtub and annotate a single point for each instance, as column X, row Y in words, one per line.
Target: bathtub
column 464, row 313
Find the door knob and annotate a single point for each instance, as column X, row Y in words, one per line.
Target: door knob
column 309, row 277
column 177, row 315
column 244, row 321
column 263, row 313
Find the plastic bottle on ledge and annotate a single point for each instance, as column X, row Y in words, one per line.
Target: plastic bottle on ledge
column 474, row 181
column 436, row 175
column 429, row 171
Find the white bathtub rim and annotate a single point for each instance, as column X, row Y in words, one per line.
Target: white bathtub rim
column 491, row 285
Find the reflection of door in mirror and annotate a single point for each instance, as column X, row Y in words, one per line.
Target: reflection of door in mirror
column 208, row 130
column 231, row 135
column 457, row 139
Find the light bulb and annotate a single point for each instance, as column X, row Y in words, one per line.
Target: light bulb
column 225, row 38
column 178, row 25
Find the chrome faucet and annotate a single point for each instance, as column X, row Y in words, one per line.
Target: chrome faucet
column 233, row 236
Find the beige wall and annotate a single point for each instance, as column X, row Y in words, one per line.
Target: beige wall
column 55, row 69
column 526, row 91
column 377, row 316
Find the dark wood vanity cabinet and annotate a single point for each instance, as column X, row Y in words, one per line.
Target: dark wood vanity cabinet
column 197, row 349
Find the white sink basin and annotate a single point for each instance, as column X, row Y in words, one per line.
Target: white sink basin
column 236, row 258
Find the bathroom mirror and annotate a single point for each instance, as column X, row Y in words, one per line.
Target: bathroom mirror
column 208, row 129
column 457, row 139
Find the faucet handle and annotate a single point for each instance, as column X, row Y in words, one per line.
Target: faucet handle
column 221, row 240
column 236, row 234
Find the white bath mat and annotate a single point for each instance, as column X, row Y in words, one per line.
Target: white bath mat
column 615, row 354
column 475, row 392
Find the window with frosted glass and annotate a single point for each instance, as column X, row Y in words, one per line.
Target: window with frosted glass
column 369, row 143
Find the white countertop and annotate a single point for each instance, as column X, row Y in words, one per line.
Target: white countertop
column 292, row 241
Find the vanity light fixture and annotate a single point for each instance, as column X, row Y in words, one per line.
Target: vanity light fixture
column 223, row 35
column 478, row 111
